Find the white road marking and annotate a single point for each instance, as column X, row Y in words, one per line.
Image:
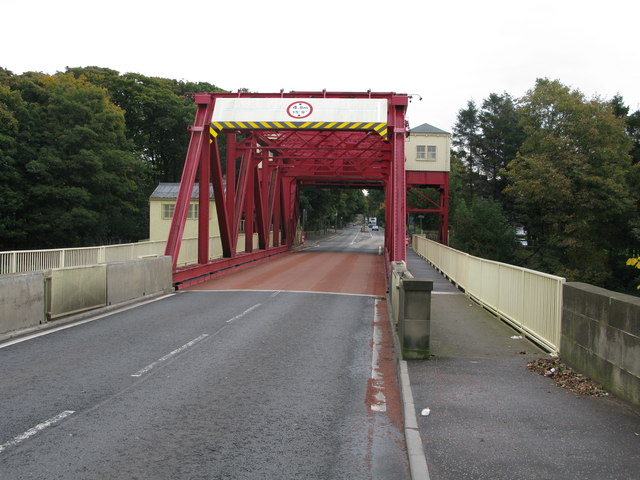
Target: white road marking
column 380, row 405
column 74, row 324
column 275, row 294
column 169, row 355
column 194, row 292
column 240, row 315
column 38, row 428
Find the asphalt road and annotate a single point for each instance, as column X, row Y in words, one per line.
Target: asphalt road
column 350, row 240
column 207, row 385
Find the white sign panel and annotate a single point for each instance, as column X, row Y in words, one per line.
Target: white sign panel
column 300, row 109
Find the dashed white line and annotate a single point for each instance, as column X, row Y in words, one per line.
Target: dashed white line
column 240, row 315
column 38, row 428
column 169, row 355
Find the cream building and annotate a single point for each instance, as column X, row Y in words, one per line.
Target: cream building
column 162, row 203
column 427, row 148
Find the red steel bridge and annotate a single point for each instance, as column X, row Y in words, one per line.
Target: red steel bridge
column 272, row 144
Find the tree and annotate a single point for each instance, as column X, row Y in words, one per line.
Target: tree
column 499, row 141
column 633, row 129
column 569, row 184
column 157, row 114
column 330, row 206
column 486, row 140
column 466, row 134
column 483, row 230
column 78, row 179
column 11, row 183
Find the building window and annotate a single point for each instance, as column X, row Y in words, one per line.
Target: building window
column 193, row 211
column 167, row 211
column 426, row 152
column 169, row 208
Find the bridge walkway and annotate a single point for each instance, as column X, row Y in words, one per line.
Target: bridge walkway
column 490, row 417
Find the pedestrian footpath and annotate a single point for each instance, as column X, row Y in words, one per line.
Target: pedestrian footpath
column 489, row 417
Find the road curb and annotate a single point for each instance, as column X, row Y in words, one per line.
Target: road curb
column 417, row 459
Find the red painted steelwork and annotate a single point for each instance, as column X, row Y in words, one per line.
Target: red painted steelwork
column 198, row 146
column 440, row 182
column 265, row 168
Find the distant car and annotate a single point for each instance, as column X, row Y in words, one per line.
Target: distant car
column 375, row 227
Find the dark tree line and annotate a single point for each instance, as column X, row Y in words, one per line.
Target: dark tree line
column 323, row 208
column 563, row 168
column 81, row 151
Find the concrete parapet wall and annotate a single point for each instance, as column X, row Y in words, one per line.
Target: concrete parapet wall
column 600, row 337
column 22, row 301
column 138, row 278
column 23, row 297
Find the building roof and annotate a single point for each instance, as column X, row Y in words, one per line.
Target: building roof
column 170, row 191
column 426, row 128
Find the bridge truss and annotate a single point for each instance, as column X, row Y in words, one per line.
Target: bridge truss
column 273, row 144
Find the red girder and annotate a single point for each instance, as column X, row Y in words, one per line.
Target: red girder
column 440, row 182
column 265, row 169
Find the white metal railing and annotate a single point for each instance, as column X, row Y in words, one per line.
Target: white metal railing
column 20, row 261
column 529, row 300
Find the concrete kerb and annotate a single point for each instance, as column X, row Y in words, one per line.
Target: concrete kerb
column 415, row 452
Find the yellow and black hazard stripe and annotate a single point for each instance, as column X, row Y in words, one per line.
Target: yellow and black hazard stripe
column 217, row 127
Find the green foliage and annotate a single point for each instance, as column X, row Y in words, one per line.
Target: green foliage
column 565, row 167
column 11, row 183
column 327, row 207
column 157, row 113
column 485, row 141
column 482, row 230
column 375, row 205
column 72, row 177
column 81, row 151
column 569, row 182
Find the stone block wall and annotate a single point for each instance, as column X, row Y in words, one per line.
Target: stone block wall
column 600, row 337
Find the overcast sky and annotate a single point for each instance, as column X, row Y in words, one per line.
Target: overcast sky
column 446, row 51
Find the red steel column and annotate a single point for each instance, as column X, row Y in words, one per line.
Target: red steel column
column 249, row 208
column 231, row 189
column 197, row 144
column 444, row 217
column 203, row 205
column 220, row 199
column 398, row 190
